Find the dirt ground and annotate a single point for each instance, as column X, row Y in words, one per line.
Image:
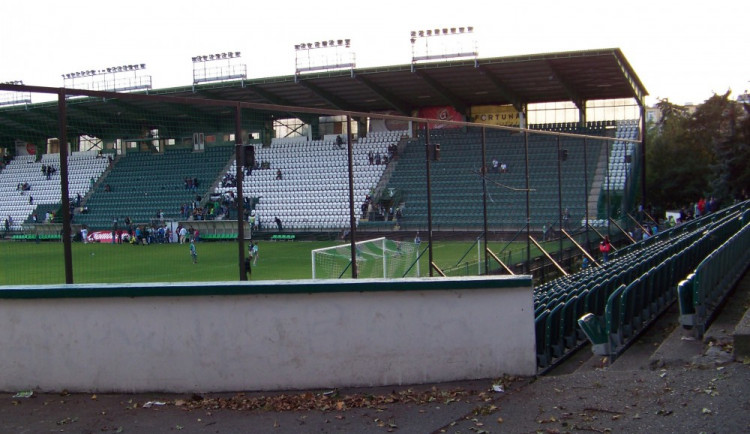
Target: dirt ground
column 666, row 382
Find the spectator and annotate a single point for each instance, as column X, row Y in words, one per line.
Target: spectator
column 604, row 248
column 495, row 165
column 278, row 223
column 278, row 174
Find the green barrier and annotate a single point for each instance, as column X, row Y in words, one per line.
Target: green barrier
column 702, row 292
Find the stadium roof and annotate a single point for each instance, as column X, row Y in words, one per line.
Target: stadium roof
column 575, row 76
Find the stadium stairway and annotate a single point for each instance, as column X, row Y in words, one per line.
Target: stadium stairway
column 313, row 192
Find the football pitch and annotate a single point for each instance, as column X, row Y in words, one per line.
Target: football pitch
column 28, row 263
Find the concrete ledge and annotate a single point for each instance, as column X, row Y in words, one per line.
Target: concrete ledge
column 265, row 336
column 742, row 337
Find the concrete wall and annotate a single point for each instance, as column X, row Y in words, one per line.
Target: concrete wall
column 273, row 335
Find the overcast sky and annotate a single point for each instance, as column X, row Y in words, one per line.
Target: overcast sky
column 682, row 50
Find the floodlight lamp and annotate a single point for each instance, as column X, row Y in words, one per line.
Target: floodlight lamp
column 236, row 54
column 143, row 66
column 445, row 31
column 436, row 32
column 218, row 55
column 317, row 44
column 461, row 29
column 413, row 34
column 470, row 29
column 421, row 33
column 347, row 42
column 330, row 42
column 429, row 33
column 453, row 30
column 309, row 45
column 340, row 42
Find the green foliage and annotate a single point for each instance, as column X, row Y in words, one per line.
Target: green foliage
column 698, row 155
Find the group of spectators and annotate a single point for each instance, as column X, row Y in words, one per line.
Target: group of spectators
column 375, row 158
column 700, row 208
column 229, row 180
column 497, row 166
column 48, row 171
column 155, row 233
column 191, row 184
column 377, row 211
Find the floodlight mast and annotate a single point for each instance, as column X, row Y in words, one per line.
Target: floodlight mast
column 205, row 69
column 453, row 43
column 12, row 98
column 327, row 55
column 110, row 79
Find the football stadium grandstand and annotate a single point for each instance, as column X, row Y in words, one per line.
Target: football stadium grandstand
column 375, row 157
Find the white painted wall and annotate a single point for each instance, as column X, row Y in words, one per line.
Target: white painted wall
column 265, row 342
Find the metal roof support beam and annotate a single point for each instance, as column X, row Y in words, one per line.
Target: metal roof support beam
column 502, row 88
column 575, row 98
column 389, row 98
column 330, row 99
column 638, row 92
column 458, row 104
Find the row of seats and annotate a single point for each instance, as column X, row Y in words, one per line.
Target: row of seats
column 82, row 168
column 611, row 304
column 313, row 190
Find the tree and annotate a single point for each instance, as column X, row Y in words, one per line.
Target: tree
column 678, row 167
column 726, row 125
column 699, row 155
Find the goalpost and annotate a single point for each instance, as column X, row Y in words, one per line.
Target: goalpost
column 376, row 258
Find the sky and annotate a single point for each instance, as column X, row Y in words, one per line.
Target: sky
column 684, row 51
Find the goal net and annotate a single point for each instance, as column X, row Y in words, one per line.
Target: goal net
column 376, row 258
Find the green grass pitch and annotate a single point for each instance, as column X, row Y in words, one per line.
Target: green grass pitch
column 28, row 263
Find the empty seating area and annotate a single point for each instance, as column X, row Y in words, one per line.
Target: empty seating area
column 313, row 189
column 15, row 202
column 622, row 155
column 142, row 183
column 612, row 303
column 456, row 183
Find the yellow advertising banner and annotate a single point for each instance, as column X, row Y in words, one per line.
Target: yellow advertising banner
column 505, row 115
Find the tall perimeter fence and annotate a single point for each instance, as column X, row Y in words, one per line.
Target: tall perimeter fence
column 136, row 169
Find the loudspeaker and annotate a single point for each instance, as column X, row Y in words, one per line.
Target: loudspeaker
column 249, row 156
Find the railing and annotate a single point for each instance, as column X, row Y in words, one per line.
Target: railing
column 706, row 288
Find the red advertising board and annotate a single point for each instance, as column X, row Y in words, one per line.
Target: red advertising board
column 445, row 113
